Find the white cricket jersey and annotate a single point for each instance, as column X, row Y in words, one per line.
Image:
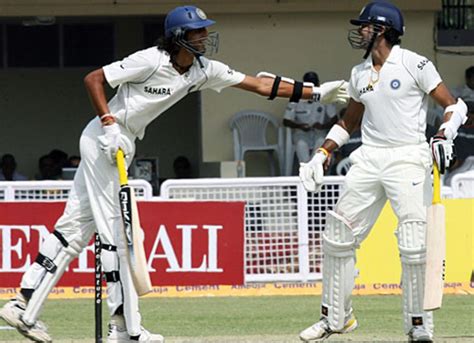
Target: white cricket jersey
column 395, row 99
column 149, row 85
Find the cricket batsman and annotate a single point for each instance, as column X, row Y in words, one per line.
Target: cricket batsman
column 148, row 82
column 389, row 92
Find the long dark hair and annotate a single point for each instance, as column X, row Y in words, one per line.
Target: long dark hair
column 392, row 37
column 168, row 45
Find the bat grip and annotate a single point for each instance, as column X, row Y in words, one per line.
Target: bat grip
column 436, row 185
column 122, row 170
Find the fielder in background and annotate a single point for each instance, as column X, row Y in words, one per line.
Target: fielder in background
column 388, row 91
column 310, row 121
column 149, row 82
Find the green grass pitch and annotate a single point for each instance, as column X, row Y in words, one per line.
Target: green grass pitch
column 254, row 319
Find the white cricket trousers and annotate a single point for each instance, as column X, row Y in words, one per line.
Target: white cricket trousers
column 399, row 174
column 92, row 205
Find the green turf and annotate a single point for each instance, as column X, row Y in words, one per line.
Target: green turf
column 255, row 319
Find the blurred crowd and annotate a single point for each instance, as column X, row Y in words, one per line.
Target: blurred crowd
column 51, row 166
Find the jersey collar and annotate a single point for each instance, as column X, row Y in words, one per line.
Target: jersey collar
column 395, row 54
column 394, row 57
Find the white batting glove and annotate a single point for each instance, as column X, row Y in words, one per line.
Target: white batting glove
column 333, row 91
column 312, row 173
column 110, row 141
column 442, row 150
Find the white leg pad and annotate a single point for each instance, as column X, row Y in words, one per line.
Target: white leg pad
column 411, row 243
column 110, row 266
column 61, row 261
column 130, row 297
column 33, row 276
column 338, row 270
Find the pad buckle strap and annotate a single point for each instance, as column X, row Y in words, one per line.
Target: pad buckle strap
column 109, row 247
column 46, row 263
column 113, row 276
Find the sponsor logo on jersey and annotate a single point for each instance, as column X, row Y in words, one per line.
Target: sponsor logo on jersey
column 395, row 84
column 157, row 90
column 367, row 89
column 422, row 64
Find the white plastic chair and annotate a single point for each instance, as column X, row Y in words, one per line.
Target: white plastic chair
column 249, row 130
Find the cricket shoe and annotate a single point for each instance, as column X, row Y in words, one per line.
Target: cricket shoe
column 320, row 331
column 147, row 336
column 419, row 334
column 117, row 330
column 12, row 312
column 118, row 333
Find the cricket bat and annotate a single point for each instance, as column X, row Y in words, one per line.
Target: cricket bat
column 132, row 233
column 435, row 248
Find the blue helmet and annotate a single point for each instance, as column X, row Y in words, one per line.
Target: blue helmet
column 185, row 18
column 383, row 13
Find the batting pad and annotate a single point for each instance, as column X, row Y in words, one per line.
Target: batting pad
column 338, row 270
column 411, row 243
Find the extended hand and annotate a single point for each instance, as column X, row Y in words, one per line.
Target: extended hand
column 333, row 91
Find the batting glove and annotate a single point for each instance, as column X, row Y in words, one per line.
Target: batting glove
column 442, row 150
column 312, row 173
column 333, row 91
column 110, row 141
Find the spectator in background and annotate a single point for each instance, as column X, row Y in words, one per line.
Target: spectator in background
column 309, row 120
column 466, row 91
column 49, row 169
column 59, row 157
column 73, row 161
column 8, row 169
column 182, row 167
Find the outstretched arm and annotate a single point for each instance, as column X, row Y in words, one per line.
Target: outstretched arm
column 270, row 85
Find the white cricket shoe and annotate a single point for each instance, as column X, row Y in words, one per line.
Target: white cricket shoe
column 117, row 330
column 12, row 312
column 146, row 336
column 419, row 334
column 320, row 330
column 118, row 333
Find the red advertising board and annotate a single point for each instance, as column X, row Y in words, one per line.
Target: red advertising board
column 186, row 243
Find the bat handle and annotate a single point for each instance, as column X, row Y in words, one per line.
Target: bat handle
column 436, row 185
column 122, row 170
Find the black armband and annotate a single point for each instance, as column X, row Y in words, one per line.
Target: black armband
column 297, row 91
column 276, row 84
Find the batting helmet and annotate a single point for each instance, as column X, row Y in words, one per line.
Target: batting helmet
column 185, row 18
column 382, row 13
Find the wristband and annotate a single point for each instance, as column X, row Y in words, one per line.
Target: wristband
column 324, row 151
column 339, row 135
column 107, row 119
